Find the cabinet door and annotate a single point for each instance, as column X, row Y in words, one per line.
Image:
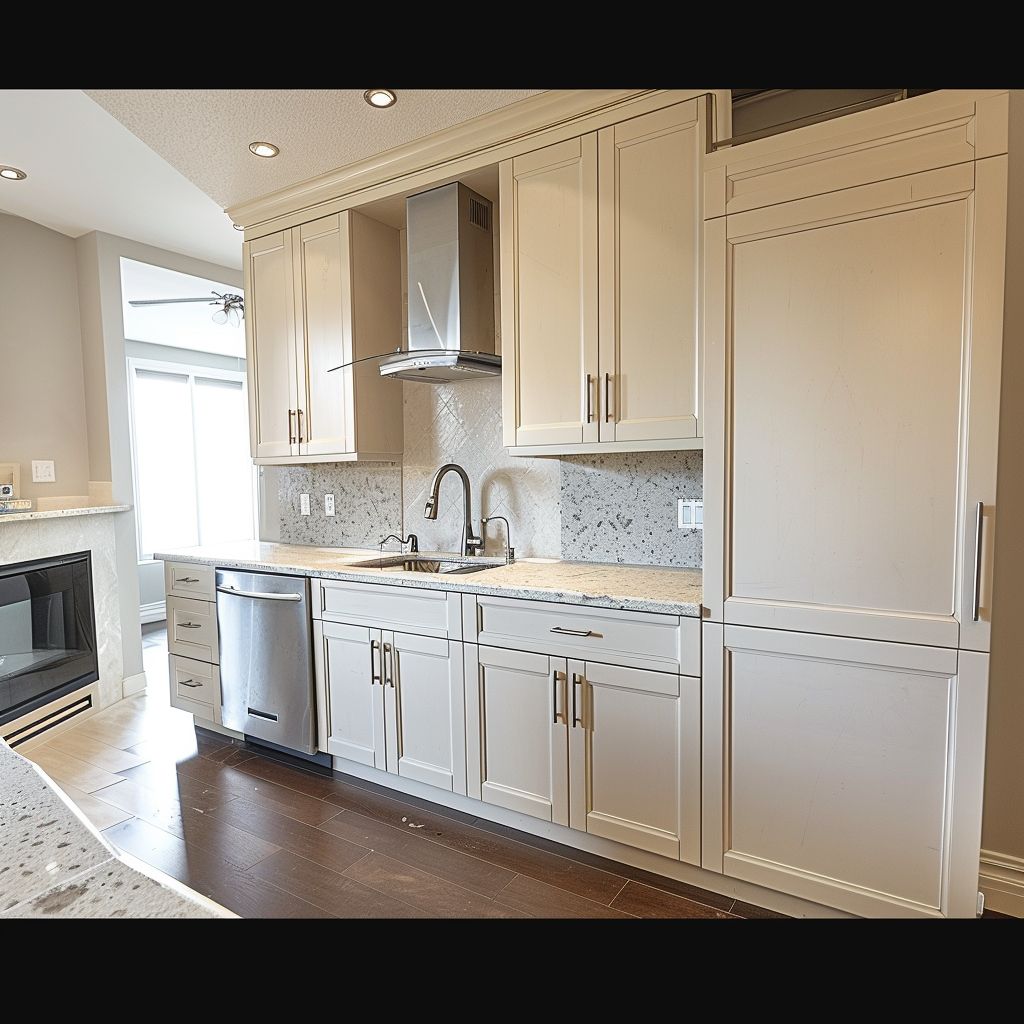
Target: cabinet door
column 845, row 771
column 549, row 294
column 649, row 244
column 350, row 692
column 854, row 360
column 270, row 346
column 634, row 755
column 516, row 731
column 424, row 710
column 323, row 304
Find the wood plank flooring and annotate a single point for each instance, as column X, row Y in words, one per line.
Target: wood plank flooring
column 270, row 840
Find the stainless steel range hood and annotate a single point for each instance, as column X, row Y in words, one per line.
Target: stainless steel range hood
column 451, row 289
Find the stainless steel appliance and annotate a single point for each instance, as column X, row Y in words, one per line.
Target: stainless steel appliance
column 451, row 288
column 266, row 670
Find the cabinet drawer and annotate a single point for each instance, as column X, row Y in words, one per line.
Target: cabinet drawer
column 187, row 579
column 195, row 687
column 639, row 639
column 192, row 629
column 427, row 612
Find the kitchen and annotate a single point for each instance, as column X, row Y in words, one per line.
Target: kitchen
column 627, row 544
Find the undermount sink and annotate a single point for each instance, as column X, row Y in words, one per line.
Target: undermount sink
column 417, row 563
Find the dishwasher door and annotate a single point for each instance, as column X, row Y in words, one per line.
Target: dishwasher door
column 266, row 670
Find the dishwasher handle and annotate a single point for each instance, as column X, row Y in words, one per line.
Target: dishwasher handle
column 259, row 595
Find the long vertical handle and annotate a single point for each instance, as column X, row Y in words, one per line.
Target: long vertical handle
column 577, row 680
column 299, row 416
column 590, row 408
column 389, row 667
column 979, row 525
column 291, row 428
column 607, row 398
column 554, row 697
column 374, row 672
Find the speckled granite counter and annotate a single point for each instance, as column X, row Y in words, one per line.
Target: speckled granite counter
column 54, row 864
column 633, row 588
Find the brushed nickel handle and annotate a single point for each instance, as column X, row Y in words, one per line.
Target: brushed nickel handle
column 577, row 680
column 979, row 524
column 389, row 667
column 258, row 595
column 189, row 625
column 291, row 428
column 607, row 398
column 299, row 414
column 187, row 579
column 590, row 410
column 554, row 697
column 374, row 674
column 191, row 685
column 571, row 632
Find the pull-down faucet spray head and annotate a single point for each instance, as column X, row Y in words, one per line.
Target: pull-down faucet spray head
column 430, row 509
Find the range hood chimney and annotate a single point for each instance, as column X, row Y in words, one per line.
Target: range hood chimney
column 451, row 289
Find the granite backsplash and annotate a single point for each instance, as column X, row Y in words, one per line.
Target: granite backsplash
column 599, row 508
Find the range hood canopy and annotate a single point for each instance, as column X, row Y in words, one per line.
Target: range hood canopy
column 451, row 289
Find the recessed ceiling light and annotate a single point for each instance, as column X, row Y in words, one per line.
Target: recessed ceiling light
column 12, row 174
column 263, row 149
column 380, row 97
column 238, row 227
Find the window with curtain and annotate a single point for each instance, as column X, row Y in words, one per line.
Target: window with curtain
column 194, row 480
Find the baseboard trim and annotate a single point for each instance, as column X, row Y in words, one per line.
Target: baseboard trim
column 155, row 611
column 1001, row 879
column 134, row 684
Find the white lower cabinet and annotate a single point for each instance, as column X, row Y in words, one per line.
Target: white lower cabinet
column 844, row 771
column 392, row 701
column 611, row 751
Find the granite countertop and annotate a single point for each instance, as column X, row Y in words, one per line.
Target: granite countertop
column 53, row 863
column 596, row 584
column 56, row 513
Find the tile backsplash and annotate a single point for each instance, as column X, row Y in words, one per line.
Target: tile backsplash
column 601, row 508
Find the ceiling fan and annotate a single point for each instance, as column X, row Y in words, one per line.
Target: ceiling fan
column 231, row 307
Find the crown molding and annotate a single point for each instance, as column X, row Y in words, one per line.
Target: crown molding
column 506, row 124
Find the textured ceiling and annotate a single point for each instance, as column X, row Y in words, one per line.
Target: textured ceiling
column 205, row 133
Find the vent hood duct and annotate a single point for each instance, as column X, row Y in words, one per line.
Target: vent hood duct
column 451, row 289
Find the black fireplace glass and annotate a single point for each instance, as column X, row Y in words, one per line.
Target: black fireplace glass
column 47, row 632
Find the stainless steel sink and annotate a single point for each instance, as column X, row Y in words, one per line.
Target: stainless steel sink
column 419, row 563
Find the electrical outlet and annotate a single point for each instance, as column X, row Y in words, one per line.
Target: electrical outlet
column 303, row 504
column 43, row 472
column 691, row 514
column 328, row 504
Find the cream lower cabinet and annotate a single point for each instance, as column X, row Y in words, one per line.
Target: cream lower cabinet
column 393, row 701
column 611, row 751
column 193, row 650
column 844, row 771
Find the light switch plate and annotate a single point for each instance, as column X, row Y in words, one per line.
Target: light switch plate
column 303, row 504
column 691, row 514
column 43, row 472
column 328, row 504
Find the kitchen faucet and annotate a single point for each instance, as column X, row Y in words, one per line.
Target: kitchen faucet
column 471, row 544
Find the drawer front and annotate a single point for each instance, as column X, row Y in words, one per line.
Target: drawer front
column 186, row 579
column 192, row 629
column 195, row 687
column 407, row 609
column 637, row 639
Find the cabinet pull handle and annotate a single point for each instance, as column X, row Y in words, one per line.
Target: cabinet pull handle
column 572, row 632
column 299, row 415
column 191, row 685
column 590, row 410
column 189, row 625
column 389, row 668
column 187, row 579
column 976, row 612
column 607, row 398
column 374, row 673
column 577, row 680
column 554, row 697
column 291, row 428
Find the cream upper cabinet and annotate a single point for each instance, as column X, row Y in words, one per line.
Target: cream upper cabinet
column 854, row 343
column 600, row 247
column 270, row 346
column 844, row 771
column 322, row 295
column 634, row 755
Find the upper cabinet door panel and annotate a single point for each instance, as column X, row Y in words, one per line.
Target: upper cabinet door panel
column 649, row 256
column 270, row 346
column 549, row 284
column 325, row 334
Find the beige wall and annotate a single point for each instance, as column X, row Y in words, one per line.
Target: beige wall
column 42, row 391
column 1003, row 830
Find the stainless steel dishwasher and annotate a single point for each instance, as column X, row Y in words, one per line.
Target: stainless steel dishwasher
column 266, row 671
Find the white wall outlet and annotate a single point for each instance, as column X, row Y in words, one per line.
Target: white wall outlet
column 691, row 514
column 303, row 504
column 43, row 472
column 328, row 504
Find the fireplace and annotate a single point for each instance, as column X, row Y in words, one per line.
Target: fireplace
column 47, row 632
